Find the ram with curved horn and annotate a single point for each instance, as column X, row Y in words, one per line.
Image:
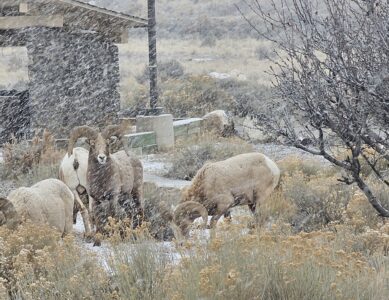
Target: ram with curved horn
column 245, row 179
column 114, row 180
column 186, row 213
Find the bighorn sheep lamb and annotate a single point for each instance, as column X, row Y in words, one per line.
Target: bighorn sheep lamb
column 114, row 181
column 49, row 201
column 72, row 172
column 243, row 179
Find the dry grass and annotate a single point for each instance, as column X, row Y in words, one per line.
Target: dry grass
column 228, row 56
column 29, row 162
column 344, row 255
column 192, row 153
column 342, row 259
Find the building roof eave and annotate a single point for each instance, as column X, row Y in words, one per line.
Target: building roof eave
column 137, row 21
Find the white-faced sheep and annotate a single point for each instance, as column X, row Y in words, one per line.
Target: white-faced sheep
column 49, row 201
column 217, row 187
column 114, row 181
column 72, row 172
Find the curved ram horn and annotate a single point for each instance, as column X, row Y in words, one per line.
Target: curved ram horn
column 187, row 212
column 8, row 214
column 114, row 130
column 80, row 131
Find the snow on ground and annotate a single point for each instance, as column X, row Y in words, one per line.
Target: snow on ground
column 155, row 167
column 165, row 182
column 106, row 250
column 155, row 164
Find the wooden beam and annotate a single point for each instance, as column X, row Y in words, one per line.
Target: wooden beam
column 138, row 22
column 20, row 22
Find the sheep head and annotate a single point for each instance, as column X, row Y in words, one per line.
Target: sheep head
column 8, row 214
column 186, row 213
column 99, row 142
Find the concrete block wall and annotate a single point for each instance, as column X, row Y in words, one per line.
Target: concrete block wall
column 162, row 125
column 147, row 142
column 187, row 127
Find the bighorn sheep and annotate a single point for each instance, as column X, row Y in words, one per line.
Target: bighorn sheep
column 49, row 201
column 114, row 181
column 72, row 172
column 243, row 179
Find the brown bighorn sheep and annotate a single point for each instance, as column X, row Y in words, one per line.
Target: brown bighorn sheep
column 114, row 181
column 49, row 201
column 217, row 187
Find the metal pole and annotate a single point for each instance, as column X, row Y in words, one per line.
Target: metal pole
column 152, row 33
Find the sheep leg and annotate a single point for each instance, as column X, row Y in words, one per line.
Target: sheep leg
column 214, row 220
column 91, row 215
column 100, row 212
column 76, row 209
column 227, row 216
column 223, row 206
column 138, row 213
column 84, row 214
column 137, row 195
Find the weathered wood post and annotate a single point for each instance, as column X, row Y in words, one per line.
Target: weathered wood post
column 152, row 33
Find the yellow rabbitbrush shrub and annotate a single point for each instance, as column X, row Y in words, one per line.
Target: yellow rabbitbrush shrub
column 36, row 264
column 272, row 265
column 319, row 200
column 293, row 164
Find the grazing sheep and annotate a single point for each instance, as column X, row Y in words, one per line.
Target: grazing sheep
column 49, row 201
column 72, row 172
column 243, row 179
column 219, row 122
column 114, row 181
column 186, row 213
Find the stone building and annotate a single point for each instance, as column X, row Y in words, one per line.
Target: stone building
column 73, row 63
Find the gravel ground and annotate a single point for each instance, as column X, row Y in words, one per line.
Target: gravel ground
column 278, row 152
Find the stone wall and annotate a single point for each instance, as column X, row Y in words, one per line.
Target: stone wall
column 74, row 79
column 14, row 115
